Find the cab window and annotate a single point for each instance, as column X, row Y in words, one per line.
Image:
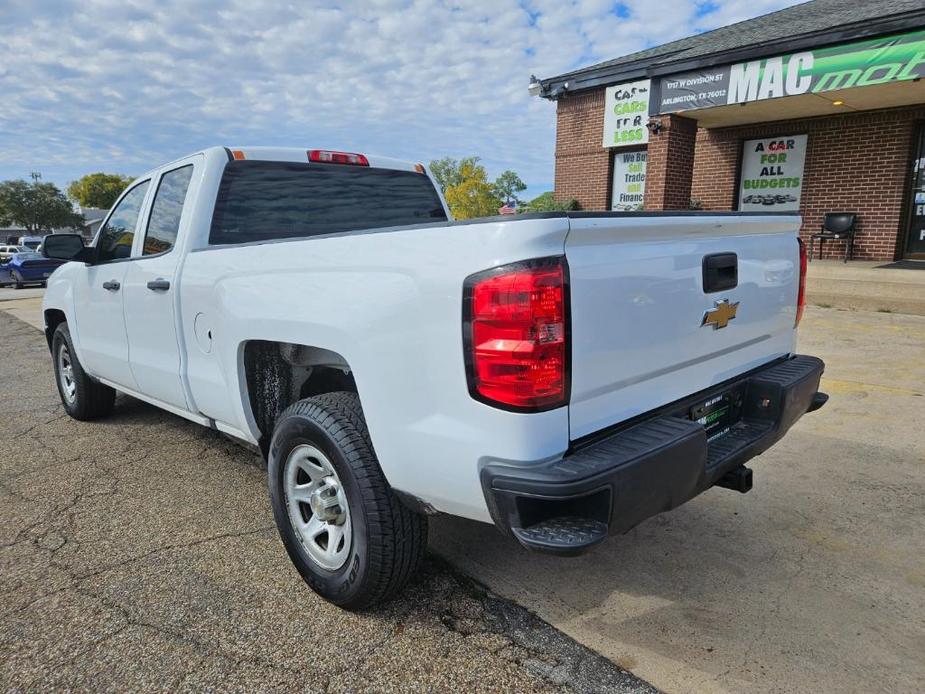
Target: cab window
column 267, row 200
column 117, row 234
column 164, row 221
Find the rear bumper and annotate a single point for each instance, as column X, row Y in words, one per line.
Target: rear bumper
column 653, row 464
column 32, row 274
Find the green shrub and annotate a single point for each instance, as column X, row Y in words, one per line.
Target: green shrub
column 548, row 203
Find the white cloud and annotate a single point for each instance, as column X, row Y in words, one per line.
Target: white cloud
column 122, row 86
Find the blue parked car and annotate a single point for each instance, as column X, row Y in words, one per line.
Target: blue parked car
column 29, row 267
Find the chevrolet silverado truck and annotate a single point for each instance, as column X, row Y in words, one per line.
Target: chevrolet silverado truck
column 562, row 375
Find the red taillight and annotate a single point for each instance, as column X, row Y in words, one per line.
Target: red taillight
column 327, row 157
column 801, row 294
column 516, row 335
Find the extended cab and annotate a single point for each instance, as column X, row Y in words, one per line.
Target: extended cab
column 564, row 376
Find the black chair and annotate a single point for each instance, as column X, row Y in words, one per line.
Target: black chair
column 836, row 226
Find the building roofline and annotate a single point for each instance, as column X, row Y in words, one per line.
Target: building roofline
column 660, row 65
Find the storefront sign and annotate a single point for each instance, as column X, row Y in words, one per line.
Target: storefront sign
column 772, row 174
column 626, row 110
column 629, row 180
column 878, row 61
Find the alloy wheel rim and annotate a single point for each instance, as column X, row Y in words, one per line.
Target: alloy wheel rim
column 66, row 374
column 317, row 507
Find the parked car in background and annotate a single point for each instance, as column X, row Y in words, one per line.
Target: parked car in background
column 30, row 267
column 31, row 242
column 7, row 252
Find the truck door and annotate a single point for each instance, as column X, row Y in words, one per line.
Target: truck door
column 103, row 346
column 151, row 292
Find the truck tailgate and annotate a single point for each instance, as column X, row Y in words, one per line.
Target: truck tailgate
column 638, row 305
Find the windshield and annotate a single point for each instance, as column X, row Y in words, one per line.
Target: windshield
column 28, row 255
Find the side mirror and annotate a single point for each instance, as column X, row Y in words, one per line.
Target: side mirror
column 67, row 247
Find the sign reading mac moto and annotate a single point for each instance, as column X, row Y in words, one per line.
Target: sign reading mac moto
column 890, row 59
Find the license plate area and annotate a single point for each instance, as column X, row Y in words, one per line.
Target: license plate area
column 719, row 412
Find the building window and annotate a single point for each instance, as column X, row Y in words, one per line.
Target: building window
column 629, row 180
column 771, row 178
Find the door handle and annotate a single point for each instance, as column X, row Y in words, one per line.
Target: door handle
column 111, row 285
column 720, row 272
column 159, row 285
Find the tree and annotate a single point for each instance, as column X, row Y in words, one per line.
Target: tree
column 473, row 196
column 98, row 189
column 448, row 171
column 465, row 181
column 507, row 185
column 547, row 203
column 36, row 206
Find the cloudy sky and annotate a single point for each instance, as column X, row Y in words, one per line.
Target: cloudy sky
column 122, row 85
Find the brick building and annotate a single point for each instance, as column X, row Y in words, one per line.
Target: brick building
column 814, row 109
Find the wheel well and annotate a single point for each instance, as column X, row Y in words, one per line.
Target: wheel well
column 281, row 373
column 53, row 318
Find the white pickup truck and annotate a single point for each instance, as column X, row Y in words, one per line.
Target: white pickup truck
column 563, row 375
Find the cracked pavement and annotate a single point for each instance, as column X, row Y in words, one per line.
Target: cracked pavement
column 138, row 553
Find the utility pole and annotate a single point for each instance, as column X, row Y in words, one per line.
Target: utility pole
column 36, row 176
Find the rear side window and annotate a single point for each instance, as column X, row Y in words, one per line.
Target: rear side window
column 116, row 235
column 164, row 221
column 261, row 200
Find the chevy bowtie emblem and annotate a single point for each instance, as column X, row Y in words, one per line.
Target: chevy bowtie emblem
column 720, row 315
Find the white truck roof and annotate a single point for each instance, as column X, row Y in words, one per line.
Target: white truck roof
column 295, row 154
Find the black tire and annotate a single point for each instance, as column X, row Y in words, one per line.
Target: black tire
column 91, row 400
column 17, row 279
column 388, row 539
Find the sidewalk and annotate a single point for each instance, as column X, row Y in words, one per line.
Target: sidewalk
column 863, row 286
column 25, row 304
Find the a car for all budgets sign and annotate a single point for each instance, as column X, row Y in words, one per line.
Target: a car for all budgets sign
column 772, row 174
column 626, row 110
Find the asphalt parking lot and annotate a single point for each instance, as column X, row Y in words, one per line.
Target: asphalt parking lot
column 139, row 553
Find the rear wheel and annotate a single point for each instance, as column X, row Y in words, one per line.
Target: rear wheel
column 82, row 397
column 347, row 533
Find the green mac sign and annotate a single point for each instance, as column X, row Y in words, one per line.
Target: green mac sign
column 877, row 61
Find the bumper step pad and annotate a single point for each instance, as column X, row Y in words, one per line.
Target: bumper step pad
column 740, row 436
column 567, row 535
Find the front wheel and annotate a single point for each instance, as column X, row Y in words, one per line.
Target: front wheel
column 17, row 279
column 345, row 530
column 82, row 397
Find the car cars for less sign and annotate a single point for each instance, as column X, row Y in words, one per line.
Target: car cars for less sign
column 772, row 174
column 626, row 110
